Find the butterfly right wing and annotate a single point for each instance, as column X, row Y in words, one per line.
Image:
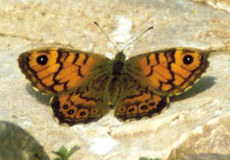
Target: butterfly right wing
column 139, row 103
column 159, row 74
column 170, row 71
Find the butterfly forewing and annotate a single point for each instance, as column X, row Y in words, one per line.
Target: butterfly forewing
column 170, row 71
column 58, row 70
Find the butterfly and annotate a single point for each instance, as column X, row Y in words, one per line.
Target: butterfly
column 86, row 85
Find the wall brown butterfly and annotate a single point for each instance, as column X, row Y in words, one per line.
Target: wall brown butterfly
column 85, row 85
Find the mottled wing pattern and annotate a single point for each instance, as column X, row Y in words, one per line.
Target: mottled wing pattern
column 58, row 70
column 170, row 71
column 81, row 106
column 138, row 103
column 86, row 104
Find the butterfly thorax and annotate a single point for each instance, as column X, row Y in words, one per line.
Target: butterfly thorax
column 118, row 64
column 116, row 80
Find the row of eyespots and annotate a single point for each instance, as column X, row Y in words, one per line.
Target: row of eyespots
column 81, row 112
column 133, row 108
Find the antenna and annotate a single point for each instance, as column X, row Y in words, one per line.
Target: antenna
column 106, row 35
column 137, row 37
column 128, row 43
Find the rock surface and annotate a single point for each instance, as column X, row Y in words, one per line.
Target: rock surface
column 17, row 144
column 196, row 124
column 219, row 4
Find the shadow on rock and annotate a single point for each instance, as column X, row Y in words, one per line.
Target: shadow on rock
column 199, row 87
column 209, row 156
column 45, row 99
column 16, row 143
column 203, row 156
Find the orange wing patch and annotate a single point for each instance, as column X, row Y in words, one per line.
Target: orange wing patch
column 55, row 70
column 140, row 104
column 171, row 71
column 78, row 107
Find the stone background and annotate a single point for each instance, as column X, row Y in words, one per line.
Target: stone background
column 195, row 125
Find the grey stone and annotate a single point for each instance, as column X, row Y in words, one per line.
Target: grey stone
column 17, row 144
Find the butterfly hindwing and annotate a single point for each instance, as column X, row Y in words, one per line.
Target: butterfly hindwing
column 170, row 71
column 136, row 104
column 59, row 70
column 81, row 106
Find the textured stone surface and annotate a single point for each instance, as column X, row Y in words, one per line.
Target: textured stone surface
column 208, row 141
column 27, row 24
column 17, row 144
column 219, row 4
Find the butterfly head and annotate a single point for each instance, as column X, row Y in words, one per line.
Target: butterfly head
column 120, row 56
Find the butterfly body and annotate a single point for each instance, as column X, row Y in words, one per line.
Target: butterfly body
column 114, row 86
column 85, row 85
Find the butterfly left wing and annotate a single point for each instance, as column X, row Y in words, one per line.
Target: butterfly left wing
column 81, row 106
column 139, row 103
column 87, row 103
column 60, row 70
